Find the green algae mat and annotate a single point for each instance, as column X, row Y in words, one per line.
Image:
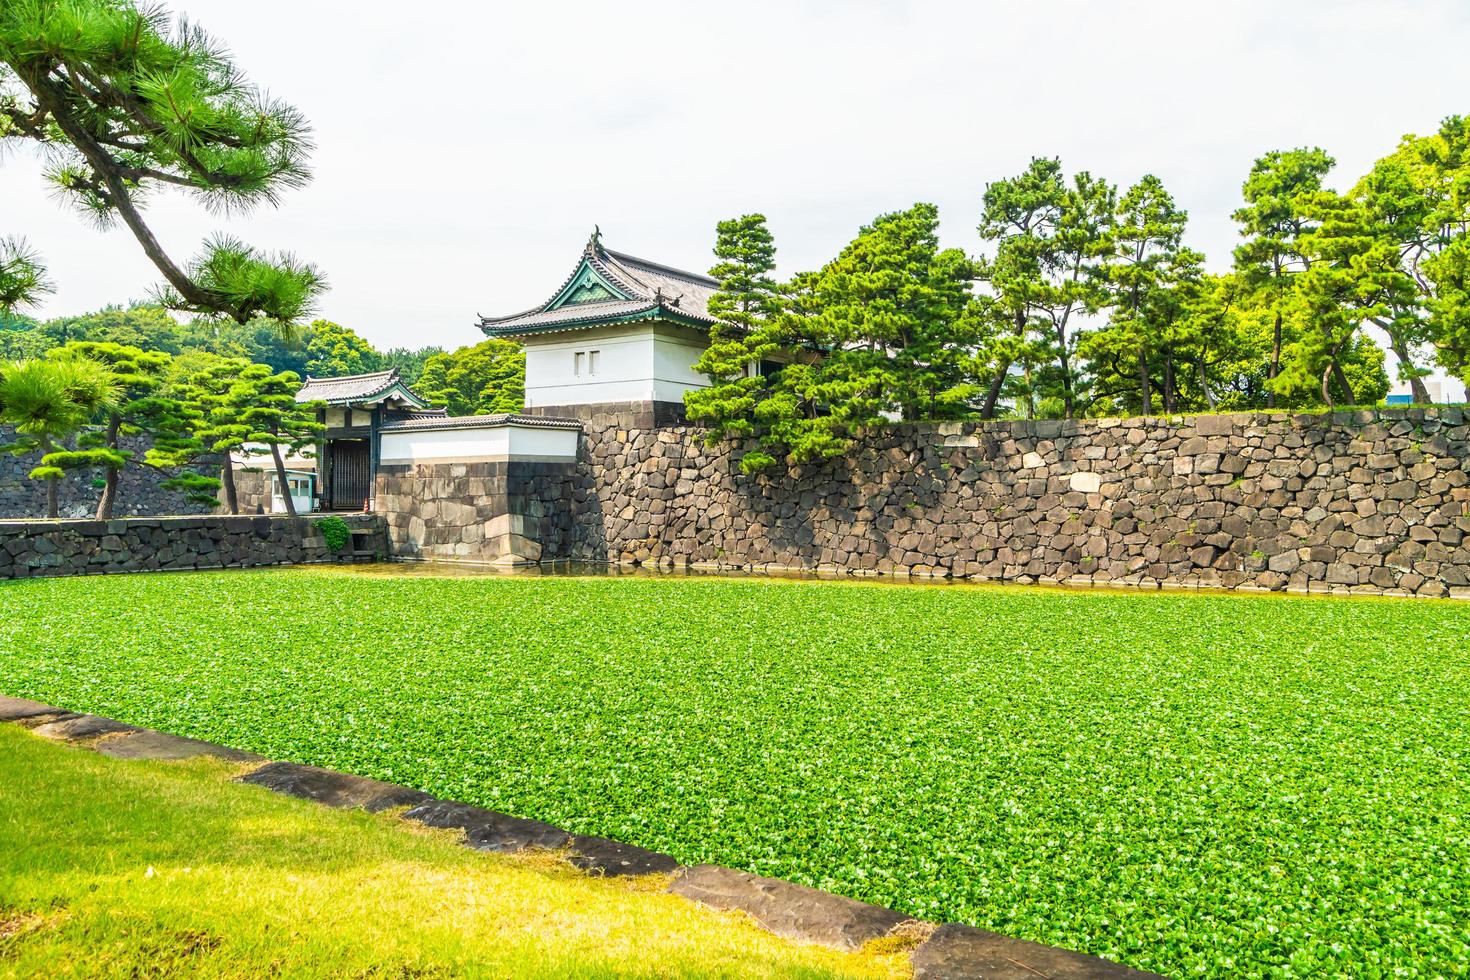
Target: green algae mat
column 1201, row 785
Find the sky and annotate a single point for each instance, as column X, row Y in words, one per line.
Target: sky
column 466, row 150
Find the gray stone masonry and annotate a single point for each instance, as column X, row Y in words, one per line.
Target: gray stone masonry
column 140, row 490
column 509, row 513
column 1350, row 502
column 84, row 547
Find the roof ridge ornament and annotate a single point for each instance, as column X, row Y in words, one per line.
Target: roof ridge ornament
column 595, row 242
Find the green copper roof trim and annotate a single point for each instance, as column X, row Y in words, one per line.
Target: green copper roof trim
column 658, row 313
column 587, row 286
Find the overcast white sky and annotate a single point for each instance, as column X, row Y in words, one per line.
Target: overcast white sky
column 467, row 149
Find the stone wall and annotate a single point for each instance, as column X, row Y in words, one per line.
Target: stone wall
column 252, row 491
column 1346, row 502
column 139, row 488
column 494, row 512
column 87, row 547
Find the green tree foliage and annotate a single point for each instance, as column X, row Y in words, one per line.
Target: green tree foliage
column 322, row 348
column 205, row 384
column 23, row 279
column 892, row 311
column 889, row 327
column 1050, row 240
column 1418, row 198
column 259, row 342
column 138, row 408
column 267, row 404
column 1352, row 278
column 747, row 304
column 485, row 379
column 123, row 102
column 242, row 407
column 1274, row 222
column 146, row 326
column 408, row 362
column 1152, row 277
column 333, row 350
column 47, row 402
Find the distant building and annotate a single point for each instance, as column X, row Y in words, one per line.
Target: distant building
column 620, row 334
column 1442, row 391
column 357, row 407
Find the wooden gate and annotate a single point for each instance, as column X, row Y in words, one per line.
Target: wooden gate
column 352, row 477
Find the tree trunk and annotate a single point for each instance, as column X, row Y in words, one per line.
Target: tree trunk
column 992, row 395
column 1342, row 382
column 109, row 487
column 1171, row 395
column 53, row 484
column 1275, row 367
column 1069, row 404
column 1145, row 396
column 109, row 494
column 227, row 478
column 1068, row 399
column 1420, row 391
column 1327, row 386
column 1204, row 385
column 281, row 476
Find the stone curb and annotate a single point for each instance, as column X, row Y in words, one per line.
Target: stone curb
column 784, row 908
column 789, row 910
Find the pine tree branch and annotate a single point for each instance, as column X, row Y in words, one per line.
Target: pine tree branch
column 53, row 99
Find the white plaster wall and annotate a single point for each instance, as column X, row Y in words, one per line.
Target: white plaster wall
column 479, row 443
column 532, row 442
column 636, row 363
column 674, row 357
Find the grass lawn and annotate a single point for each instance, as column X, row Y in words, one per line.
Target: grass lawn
column 149, row 869
column 1195, row 784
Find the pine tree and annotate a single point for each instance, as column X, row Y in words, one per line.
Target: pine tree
column 1419, row 197
column 205, row 385
column 266, row 403
column 888, row 328
column 138, row 409
column 1148, row 261
column 747, row 305
column 47, row 401
column 892, row 310
column 123, row 103
column 1273, row 223
column 1051, row 239
column 1353, row 276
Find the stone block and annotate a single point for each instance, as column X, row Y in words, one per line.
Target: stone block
column 1085, row 482
column 788, row 910
column 334, row 789
column 487, row 830
column 956, row 951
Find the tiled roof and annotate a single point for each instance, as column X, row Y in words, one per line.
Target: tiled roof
column 656, row 291
column 690, row 290
column 571, row 317
column 479, row 421
column 354, row 388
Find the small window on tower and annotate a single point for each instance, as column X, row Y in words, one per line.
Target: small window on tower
column 592, row 361
column 577, row 360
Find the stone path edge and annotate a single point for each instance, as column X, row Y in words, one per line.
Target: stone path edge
column 949, row 951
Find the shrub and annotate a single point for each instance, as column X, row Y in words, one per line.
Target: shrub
column 336, row 531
